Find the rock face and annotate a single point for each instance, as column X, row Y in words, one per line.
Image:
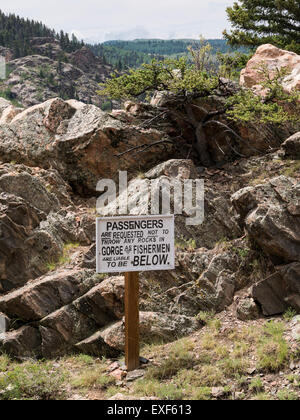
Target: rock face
column 219, row 221
column 34, row 79
column 273, row 58
column 73, row 308
column 34, row 225
column 80, row 141
column 39, row 298
column 247, row 309
column 51, row 72
column 51, row 157
column 291, row 147
column 153, row 326
column 224, row 140
column 270, row 293
column 22, row 343
column 270, row 213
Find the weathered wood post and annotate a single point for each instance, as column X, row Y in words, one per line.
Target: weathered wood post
column 130, row 245
column 132, row 324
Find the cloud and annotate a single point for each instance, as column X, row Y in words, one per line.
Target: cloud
column 98, row 20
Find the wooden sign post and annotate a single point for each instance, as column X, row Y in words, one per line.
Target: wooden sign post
column 132, row 324
column 130, row 244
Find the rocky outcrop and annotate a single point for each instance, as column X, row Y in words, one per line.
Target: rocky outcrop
column 73, row 308
column 37, row 220
column 53, row 154
column 22, row 343
column 47, row 46
column 39, row 298
column 291, row 147
column 291, row 279
column 34, row 79
column 270, row 213
column 270, row 293
column 154, row 326
column 213, row 138
column 81, row 142
column 272, row 58
column 51, row 72
column 85, row 60
column 219, row 220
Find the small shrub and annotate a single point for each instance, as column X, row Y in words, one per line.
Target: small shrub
column 289, row 314
column 262, row 396
column 286, row 395
column 154, row 388
column 4, row 362
column 202, row 394
column 93, row 377
column 273, row 350
column 179, row 357
column 64, row 258
column 211, row 375
column 234, row 366
column 32, row 381
column 205, row 316
column 106, row 106
column 256, row 385
column 186, row 244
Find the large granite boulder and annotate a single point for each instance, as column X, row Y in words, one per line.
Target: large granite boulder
column 273, row 58
column 82, row 142
column 271, row 215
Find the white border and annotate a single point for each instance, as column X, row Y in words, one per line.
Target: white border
column 137, row 217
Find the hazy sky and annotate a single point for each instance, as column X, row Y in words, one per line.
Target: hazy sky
column 97, row 20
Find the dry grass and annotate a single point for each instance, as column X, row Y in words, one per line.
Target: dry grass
column 217, row 356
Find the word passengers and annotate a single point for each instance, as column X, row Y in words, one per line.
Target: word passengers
column 151, row 196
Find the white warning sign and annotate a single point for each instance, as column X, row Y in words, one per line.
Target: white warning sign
column 135, row 243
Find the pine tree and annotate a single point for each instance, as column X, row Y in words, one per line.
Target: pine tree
column 16, row 33
column 257, row 22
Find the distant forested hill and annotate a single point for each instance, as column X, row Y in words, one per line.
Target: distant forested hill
column 16, row 33
column 122, row 54
column 165, row 47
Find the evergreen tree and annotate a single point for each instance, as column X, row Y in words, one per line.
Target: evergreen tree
column 257, row 22
column 16, row 33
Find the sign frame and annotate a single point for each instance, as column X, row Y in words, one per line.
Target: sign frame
column 117, row 269
column 132, row 327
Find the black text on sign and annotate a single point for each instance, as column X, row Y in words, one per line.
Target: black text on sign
column 135, row 243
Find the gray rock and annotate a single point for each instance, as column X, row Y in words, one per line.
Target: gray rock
column 291, row 147
column 247, row 309
column 22, row 343
column 271, row 214
column 153, row 326
column 291, row 275
column 96, row 346
column 47, row 294
column 135, row 374
column 270, row 293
